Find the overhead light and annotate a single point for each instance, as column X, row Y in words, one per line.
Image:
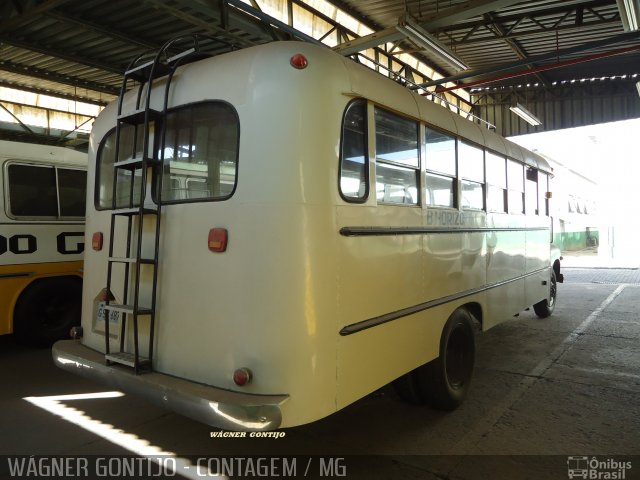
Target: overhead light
column 526, row 115
column 638, row 87
column 423, row 39
column 630, row 14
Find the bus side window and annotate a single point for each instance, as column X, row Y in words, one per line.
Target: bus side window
column 531, row 191
column 515, row 183
column 471, row 168
column 72, row 192
column 543, row 188
column 354, row 155
column 440, row 161
column 496, row 183
column 32, row 191
column 397, row 159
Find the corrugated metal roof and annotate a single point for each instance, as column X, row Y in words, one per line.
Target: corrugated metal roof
column 79, row 48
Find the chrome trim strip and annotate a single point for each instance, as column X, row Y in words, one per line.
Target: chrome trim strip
column 388, row 317
column 214, row 406
column 379, row 231
column 17, row 275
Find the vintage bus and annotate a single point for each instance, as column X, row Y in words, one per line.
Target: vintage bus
column 309, row 231
column 42, row 190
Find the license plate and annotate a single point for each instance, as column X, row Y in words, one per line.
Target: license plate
column 102, row 313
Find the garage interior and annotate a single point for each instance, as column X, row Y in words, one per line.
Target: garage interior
column 545, row 391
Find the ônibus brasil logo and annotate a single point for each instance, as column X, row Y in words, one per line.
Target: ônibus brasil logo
column 595, row 468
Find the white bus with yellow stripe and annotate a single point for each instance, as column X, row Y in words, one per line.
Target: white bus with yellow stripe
column 42, row 190
column 351, row 234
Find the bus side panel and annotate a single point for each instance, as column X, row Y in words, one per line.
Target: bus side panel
column 31, row 251
column 15, row 278
column 538, row 259
column 383, row 274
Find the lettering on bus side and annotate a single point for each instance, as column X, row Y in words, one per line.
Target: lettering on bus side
column 68, row 243
column 439, row 217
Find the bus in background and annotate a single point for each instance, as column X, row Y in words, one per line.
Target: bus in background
column 277, row 232
column 575, row 213
column 43, row 194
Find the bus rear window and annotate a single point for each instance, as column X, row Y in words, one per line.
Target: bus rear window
column 200, row 157
column 200, row 153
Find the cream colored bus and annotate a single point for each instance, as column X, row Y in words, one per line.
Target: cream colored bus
column 322, row 231
column 42, row 192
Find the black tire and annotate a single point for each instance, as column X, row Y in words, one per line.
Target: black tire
column 47, row 309
column 544, row 308
column 444, row 382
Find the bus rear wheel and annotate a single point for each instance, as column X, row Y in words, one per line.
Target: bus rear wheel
column 444, row 382
column 47, row 309
column 545, row 307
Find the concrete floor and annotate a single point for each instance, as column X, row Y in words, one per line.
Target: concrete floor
column 543, row 390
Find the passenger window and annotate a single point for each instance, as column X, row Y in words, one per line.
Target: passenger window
column 543, row 188
column 440, row 152
column 397, row 159
column 46, row 191
column 471, row 168
column 440, row 161
column 531, row 191
column 72, row 189
column 496, row 182
column 32, row 191
column 515, row 182
column 354, row 156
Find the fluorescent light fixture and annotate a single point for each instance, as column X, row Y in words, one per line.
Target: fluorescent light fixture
column 630, row 14
column 525, row 114
column 423, row 39
column 638, row 87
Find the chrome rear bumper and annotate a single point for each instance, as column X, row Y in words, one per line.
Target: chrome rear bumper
column 214, row 406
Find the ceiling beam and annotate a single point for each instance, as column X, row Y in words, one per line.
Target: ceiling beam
column 513, row 44
column 531, row 33
column 110, row 31
column 47, row 75
column 58, row 51
column 57, row 94
column 29, row 14
column 558, row 10
column 446, row 17
column 623, row 37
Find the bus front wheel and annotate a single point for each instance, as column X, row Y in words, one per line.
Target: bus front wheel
column 47, row 309
column 444, row 382
column 545, row 307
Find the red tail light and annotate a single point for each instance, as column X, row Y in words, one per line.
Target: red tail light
column 242, row 376
column 96, row 241
column 218, row 239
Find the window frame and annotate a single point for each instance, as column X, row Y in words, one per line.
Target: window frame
column 462, row 179
column 417, row 170
column 58, row 217
column 455, row 177
column 489, row 184
column 155, row 147
column 366, row 167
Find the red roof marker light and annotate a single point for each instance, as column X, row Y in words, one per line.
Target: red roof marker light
column 299, row 61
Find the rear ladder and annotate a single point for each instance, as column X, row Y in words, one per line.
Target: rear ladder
column 141, row 162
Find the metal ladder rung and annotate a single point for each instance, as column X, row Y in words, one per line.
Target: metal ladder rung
column 128, row 309
column 137, row 68
column 145, row 261
column 134, row 211
column 181, row 54
column 127, row 359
